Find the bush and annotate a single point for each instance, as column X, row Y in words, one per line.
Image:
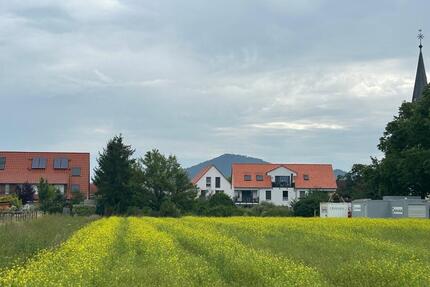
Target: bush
column 220, row 199
column 77, row 197
column 266, row 209
column 223, row 211
column 310, row 205
column 83, row 210
column 134, row 211
column 169, row 209
column 13, row 200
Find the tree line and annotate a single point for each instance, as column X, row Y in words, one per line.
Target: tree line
column 405, row 167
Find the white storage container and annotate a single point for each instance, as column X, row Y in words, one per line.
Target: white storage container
column 335, row 209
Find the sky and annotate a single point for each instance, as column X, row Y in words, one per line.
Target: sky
column 295, row 81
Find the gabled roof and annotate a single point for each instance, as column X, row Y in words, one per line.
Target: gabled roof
column 319, row 175
column 201, row 173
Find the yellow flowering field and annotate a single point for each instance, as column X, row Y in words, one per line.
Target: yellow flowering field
column 238, row 251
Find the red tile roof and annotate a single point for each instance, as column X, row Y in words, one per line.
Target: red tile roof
column 201, row 173
column 320, row 175
column 18, row 168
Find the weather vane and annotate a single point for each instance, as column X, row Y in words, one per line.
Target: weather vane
column 420, row 37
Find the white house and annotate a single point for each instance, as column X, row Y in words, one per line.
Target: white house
column 210, row 180
column 279, row 184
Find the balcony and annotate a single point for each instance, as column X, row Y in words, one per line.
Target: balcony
column 247, row 201
column 283, row 184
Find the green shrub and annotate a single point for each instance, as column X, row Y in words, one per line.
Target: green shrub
column 12, row 199
column 169, row 209
column 134, row 211
column 83, row 210
column 220, row 199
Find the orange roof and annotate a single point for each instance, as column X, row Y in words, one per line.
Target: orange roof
column 320, row 175
column 201, row 173
column 18, row 168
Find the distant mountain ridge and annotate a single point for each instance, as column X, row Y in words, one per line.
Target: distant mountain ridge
column 223, row 163
column 339, row 172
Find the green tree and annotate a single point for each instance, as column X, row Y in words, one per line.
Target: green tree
column 361, row 182
column 310, row 205
column 405, row 169
column 51, row 200
column 113, row 177
column 162, row 178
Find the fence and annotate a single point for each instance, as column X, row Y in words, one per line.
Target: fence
column 17, row 216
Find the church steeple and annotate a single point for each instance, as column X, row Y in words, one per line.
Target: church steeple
column 420, row 78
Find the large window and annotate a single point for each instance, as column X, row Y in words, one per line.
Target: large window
column 247, row 177
column 61, row 163
column 268, row 195
column 217, row 182
column 259, row 177
column 38, row 163
column 285, row 195
column 208, row 181
column 76, row 171
column 282, row 181
column 2, row 162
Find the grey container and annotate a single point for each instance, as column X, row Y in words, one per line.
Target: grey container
column 391, row 207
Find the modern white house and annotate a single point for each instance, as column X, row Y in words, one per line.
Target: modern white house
column 210, row 180
column 254, row 183
column 279, row 184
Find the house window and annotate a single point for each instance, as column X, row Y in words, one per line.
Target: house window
column 302, row 194
column 306, row 176
column 76, row 171
column 268, row 195
column 259, row 177
column 38, row 163
column 208, row 181
column 2, row 163
column 247, row 177
column 282, row 181
column 217, row 182
column 76, row 188
column 61, row 163
column 285, row 195
column 203, row 193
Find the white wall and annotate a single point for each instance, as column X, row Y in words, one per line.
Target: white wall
column 213, row 173
column 277, row 195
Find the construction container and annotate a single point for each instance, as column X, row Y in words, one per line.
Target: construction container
column 335, row 209
column 392, row 207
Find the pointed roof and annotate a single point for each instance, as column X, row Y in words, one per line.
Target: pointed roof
column 420, row 78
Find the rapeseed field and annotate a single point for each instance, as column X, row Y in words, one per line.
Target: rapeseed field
column 238, row 251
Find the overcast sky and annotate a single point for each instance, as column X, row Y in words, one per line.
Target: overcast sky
column 282, row 80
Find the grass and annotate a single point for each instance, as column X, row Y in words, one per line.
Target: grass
column 238, row 251
column 20, row 240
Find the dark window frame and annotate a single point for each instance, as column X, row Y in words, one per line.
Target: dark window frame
column 285, row 198
column 282, row 181
column 61, row 163
column 208, row 181
column 259, row 177
column 73, row 188
column 73, row 171
column 247, row 177
column 38, row 162
column 2, row 162
column 268, row 195
column 217, row 182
